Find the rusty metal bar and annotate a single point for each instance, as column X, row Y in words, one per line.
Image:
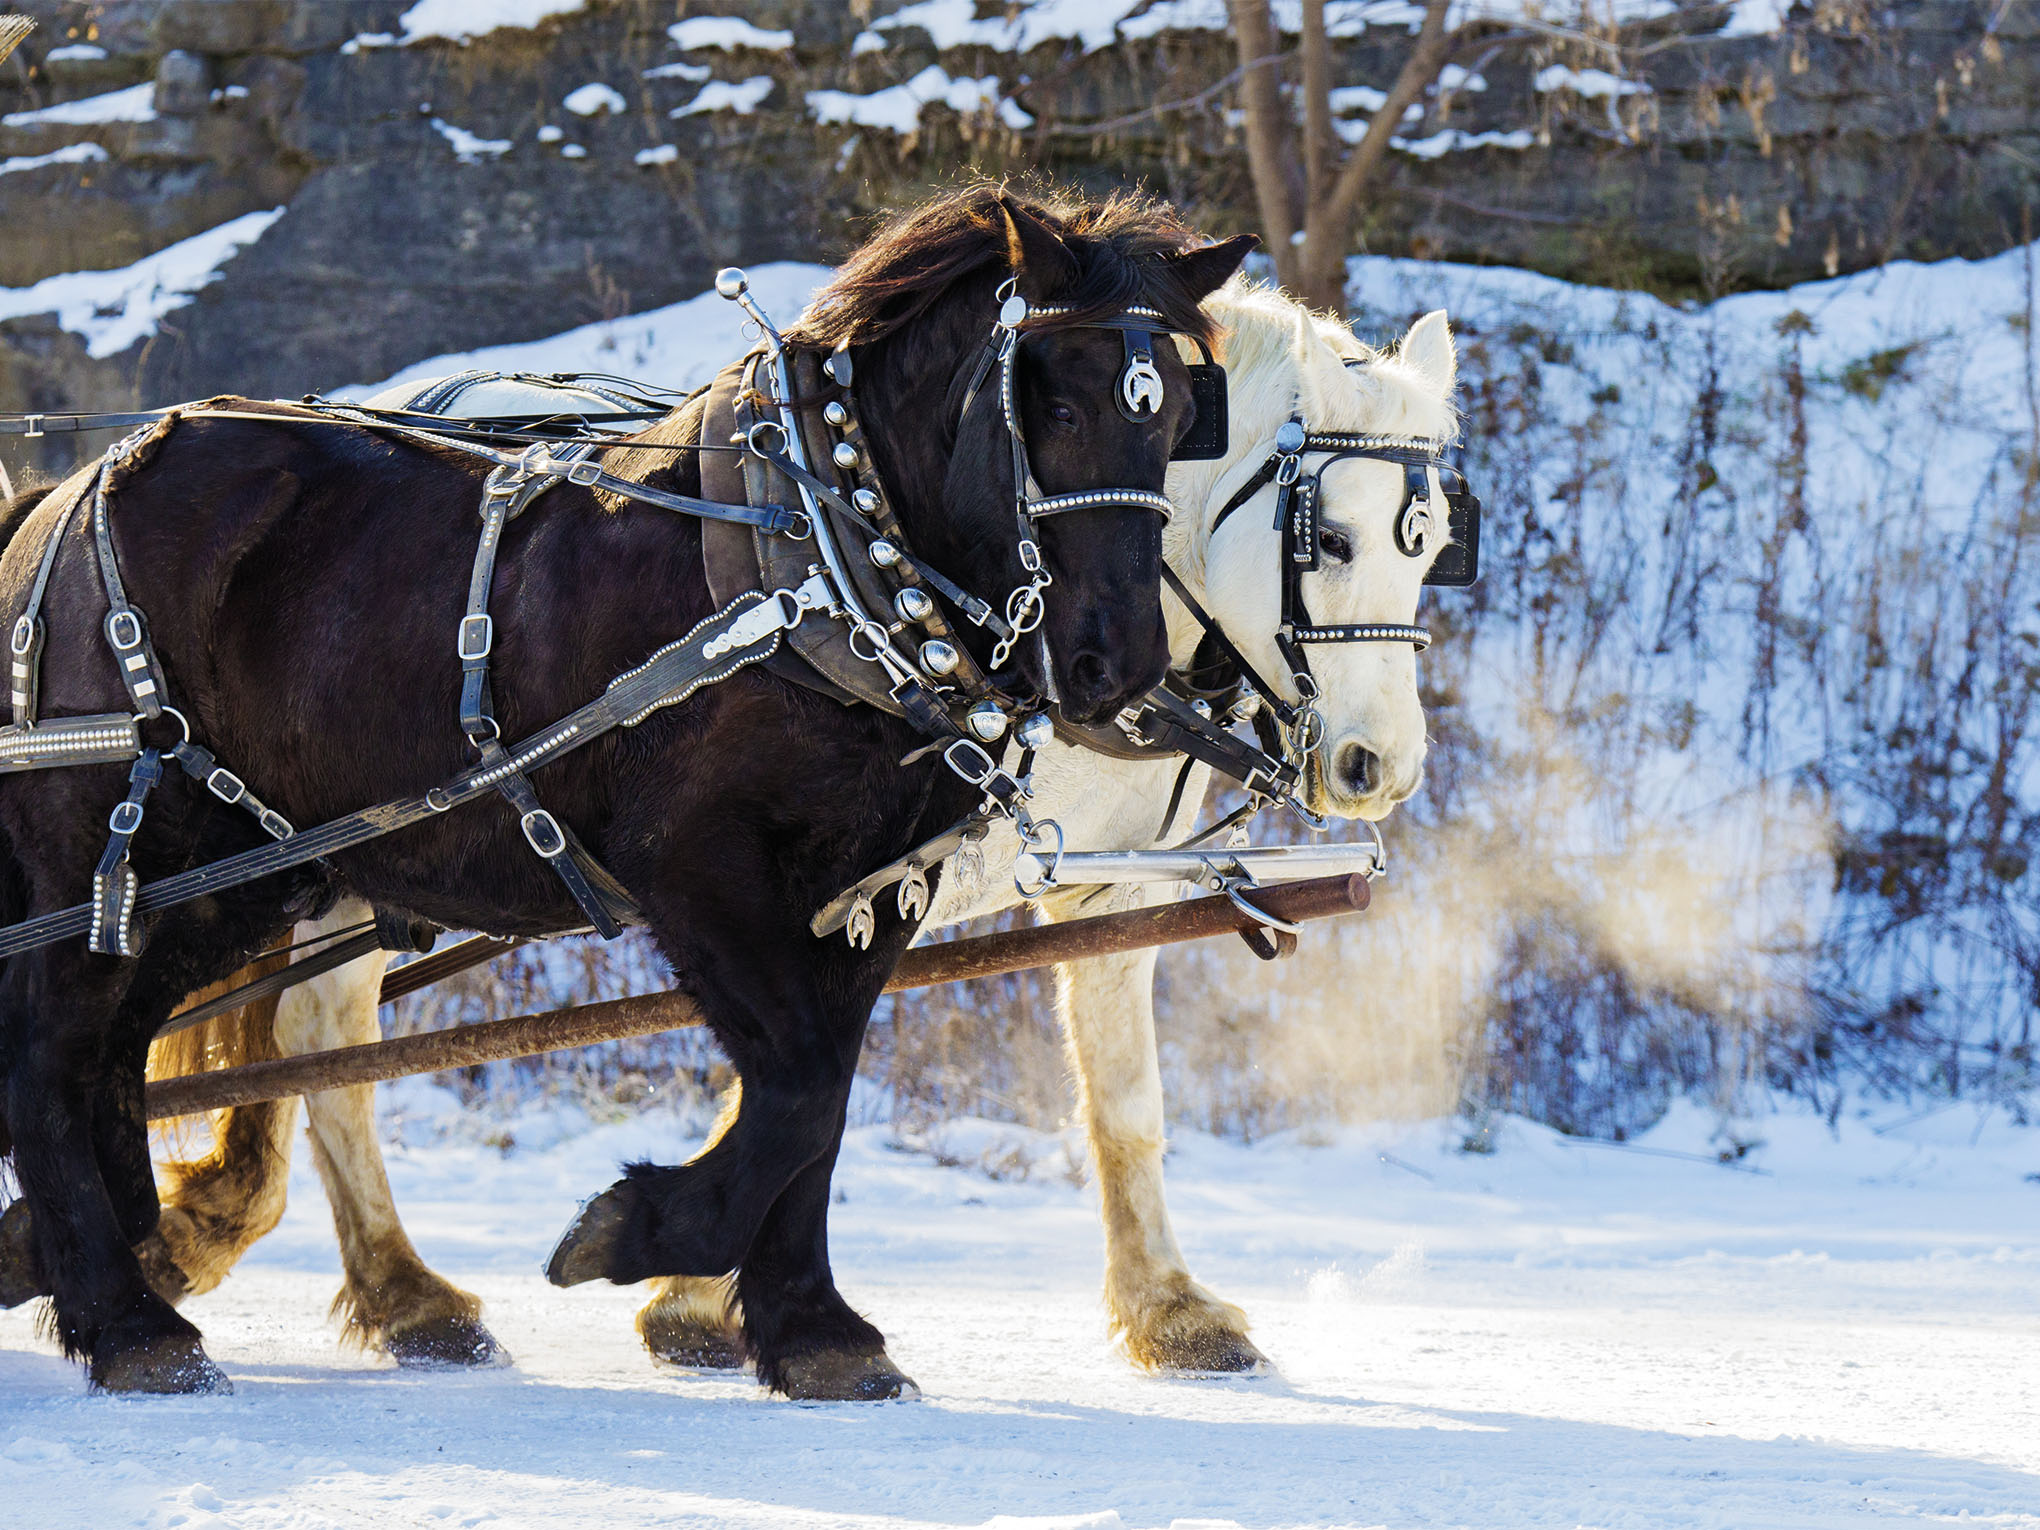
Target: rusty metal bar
column 557, row 1030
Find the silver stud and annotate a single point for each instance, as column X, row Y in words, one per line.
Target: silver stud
column 1013, row 312
column 835, row 413
column 938, row 658
column 1037, row 732
column 866, row 501
column 845, row 455
column 884, row 554
column 731, row 283
column 986, row 721
column 913, row 605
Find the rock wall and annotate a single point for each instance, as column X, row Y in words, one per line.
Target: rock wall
column 442, row 196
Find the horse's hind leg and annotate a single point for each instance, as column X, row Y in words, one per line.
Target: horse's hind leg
column 390, row 1299
column 694, row 1321
column 1106, row 1004
column 215, row 1208
column 74, row 1100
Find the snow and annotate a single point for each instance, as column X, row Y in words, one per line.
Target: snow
column 134, row 103
column 574, row 151
column 465, row 20
column 114, row 309
column 677, row 71
column 678, row 346
column 663, row 154
column 592, row 99
column 73, row 154
column 898, row 107
column 740, row 96
column 1555, row 1334
column 75, row 52
column 727, row 33
column 470, row 148
column 1457, row 141
column 1591, row 83
column 1756, row 18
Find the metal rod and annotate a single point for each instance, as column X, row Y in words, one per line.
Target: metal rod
column 556, row 1030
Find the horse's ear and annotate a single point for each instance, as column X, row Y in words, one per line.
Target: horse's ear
column 1203, row 271
column 1036, row 253
column 1427, row 351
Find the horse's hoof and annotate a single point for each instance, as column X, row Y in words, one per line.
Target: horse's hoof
column 174, row 1364
column 693, row 1346
column 446, row 1343
column 587, row 1247
column 833, row 1376
column 20, row 1270
column 1213, row 1351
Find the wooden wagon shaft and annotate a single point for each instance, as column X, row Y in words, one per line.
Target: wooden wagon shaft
column 556, row 1030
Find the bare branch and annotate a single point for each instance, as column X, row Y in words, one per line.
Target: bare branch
column 1267, row 129
column 1147, row 114
column 1330, row 219
column 1318, row 144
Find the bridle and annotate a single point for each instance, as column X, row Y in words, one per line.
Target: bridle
column 1138, row 395
column 1429, row 481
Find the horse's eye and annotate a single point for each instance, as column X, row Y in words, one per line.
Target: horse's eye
column 1062, row 414
column 1335, row 544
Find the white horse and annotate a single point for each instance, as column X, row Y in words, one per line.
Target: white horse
column 1282, row 363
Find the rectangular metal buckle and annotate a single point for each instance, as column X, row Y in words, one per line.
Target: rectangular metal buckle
column 276, row 825
column 225, row 785
column 123, row 630
column 477, row 637
column 586, row 473
column 126, row 818
column 539, row 822
column 23, row 637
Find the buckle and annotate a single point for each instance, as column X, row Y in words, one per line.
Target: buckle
column 980, row 763
column 477, row 637
column 225, row 785
column 543, row 833
column 586, row 474
column 23, row 637
column 123, row 630
column 278, row 826
column 126, row 818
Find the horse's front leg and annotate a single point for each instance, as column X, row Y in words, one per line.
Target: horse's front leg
column 390, row 1299
column 1106, row 1006
column 74, row 1102
column 790, row 1011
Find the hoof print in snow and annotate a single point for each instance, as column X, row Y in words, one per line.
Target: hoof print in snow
column 833, row 1376
column 588, row 1246
column 447, row 1344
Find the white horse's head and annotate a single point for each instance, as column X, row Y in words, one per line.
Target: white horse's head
column 1283, row 362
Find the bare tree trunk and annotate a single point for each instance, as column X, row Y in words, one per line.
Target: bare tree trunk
column 1328, row 223
column 1268, row 139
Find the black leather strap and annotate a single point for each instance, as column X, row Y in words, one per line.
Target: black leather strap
column 671, row 675
column 25, row 641
column 114, row 931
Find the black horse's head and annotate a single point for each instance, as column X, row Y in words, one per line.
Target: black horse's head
column 918, row 305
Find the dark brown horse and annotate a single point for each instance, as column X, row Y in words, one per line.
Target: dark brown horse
column 303, row 583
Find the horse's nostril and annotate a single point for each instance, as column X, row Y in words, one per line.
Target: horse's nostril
column 1090, row 675
column 1358, row 768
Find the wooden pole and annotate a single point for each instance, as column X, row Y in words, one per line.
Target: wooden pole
column 464, row 1046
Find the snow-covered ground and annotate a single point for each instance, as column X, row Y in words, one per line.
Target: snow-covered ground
column 1554, row 1334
